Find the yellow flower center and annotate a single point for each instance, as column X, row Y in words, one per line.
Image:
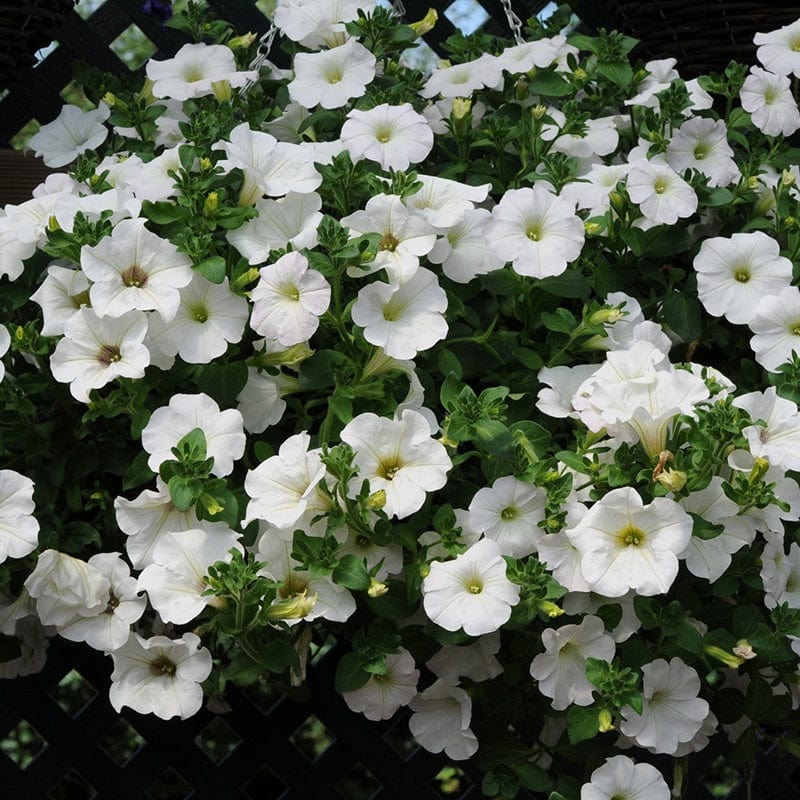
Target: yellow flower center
column 742, row 275
column 134, row 277
column 509, row 513
column 108, row 354
column 388, row 469
column 630, row 536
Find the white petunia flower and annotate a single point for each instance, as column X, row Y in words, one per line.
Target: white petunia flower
column 672, row 713
column 19, row 529
column 382, row 695
column 440, row 721
column 561, row 669
column 734, row 274
column 780, row 572
column 13, row 251
column 404, row 319
column 72, row 132
column 270, row 167
column 778, row 438
column 444, row 203
column 133, row 269
column 779, row 50
column 701, row 143
column 776, row 325
column 225, row 439
column 109, row 630
column 770, row 101
column 561, row 384
column 292, row 219
column 661, row 194
column 399, row 456
column 394, row 136
column 470, row 592
column 289, row 300
column 509, row 513
column 475, row 660
column 314, row 23
column 160, row 676
column 535, row 230
column 660, row 75
column 332, row 77
column 208, row 317
column 405, row 237
column 61, row 294
column 461, row 80
column 281, row 486
column 197, row 70
column 63, row 587
column 621, row 779
column 464, row 252
column 627, row 545
column 593, row 190
column 260, row 402
column 175, row 581
column 95, row 351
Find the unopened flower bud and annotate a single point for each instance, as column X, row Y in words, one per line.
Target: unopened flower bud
column 376, row 588
column 462, row 107
column 789, row 222
column 146, row 92
column 728, row 659
column 787, row 178
column 52, row 224
column 295, row 607
column 211, row 204
column 222, row 90
column 19, row 333
column 604, row 315
column 538, row 111
column 663, row 457
column 206, row 164
column 550, row 608
column 426, row 24
column 110, row 99
column 245, row 40
column 424, row 570
column 617, row 201
column 758, row 471
column 744, row 650
column 752, row 182
column 579, row 74
column 376, row 500
column 285, row 358
column 210, row 504
column 672, row 479
column 605, row 722
column 246, row 277
column 592, row 228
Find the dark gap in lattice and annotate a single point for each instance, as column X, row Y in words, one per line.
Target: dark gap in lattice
column 358, row 784
column 72, row 787
column 170, row 785
column 23, row 744
column 217, row 740
column 121, row 742
column 312, row 738
column 265, row 785
column 73, row 693
column 398, row 737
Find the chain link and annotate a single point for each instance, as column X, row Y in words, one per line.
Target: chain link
column 398, row 10
column 262, row 51
column 514, row 22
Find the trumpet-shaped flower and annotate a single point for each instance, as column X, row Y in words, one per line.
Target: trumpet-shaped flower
column 779, row 50
column 72, row 132
column 509, row 513
column 471, row 592
column 394, row 136
column 19, row 529
column 314, row 23
column 95, row 351
column 734, row 274
column 661, row 194
column 382, row 695
column 403, row 319
column 398, row 456
column 61, row 294
column 289, row 300
column 332, row 77
column 225, row 439
column 196, row 70
column 702, row 144
column 776, row 325
column 281, row 486
column 538, row 232
column 770, row 101
column 208, row 317
column 627, row 545
column 620, row 778
column 160, row 676
column 672, row 713
column 778, row 438
column 440, row 721
column 133, row 269
column 561, row 669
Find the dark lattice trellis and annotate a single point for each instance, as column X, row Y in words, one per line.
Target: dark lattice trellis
column 62, row 740
column 35, row 92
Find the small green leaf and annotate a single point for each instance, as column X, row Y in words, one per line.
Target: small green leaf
column 582, row 723
column 682, row 314
column 351, row 573
column 212, row 268
column 350, row 674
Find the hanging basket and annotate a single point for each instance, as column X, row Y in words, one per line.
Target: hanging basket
column 704, row 37
column 24, row 28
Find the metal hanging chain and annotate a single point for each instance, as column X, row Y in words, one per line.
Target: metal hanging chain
column 262, row 51
column 398, row 10
column 514, row 22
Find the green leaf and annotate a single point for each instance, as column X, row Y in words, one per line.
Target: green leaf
column 395, row 604
column 682, row 314
column 561, row 322
column 184, row 491
column 350, row 674
column 351, row 573
column 757, row 698
column 532, row 776
column 138, row 473
column 449, row 363
column 548, row 83
column 79, row 534
column 745, row 749
column 719, row 197
column 582, row 723
column 703, row 529
column 619, row 72
column 223, row 381
column 317, row 372
column 162, row 212
column 689, row 638
column 212, row 268
column 571, row 283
